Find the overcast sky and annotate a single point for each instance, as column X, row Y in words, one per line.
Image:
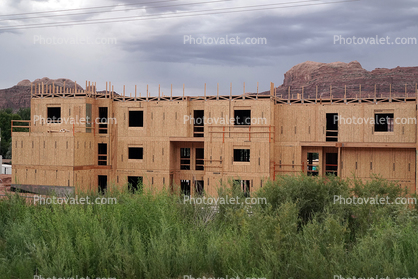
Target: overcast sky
column 153, row 51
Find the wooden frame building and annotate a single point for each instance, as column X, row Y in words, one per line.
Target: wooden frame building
column 191, row 144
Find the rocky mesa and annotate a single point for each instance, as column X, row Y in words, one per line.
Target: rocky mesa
column 18, row 96
column 335, row 77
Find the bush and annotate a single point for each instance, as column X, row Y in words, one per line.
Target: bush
column 300, row 233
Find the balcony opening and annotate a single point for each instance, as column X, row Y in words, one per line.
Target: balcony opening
column 198, row 124
column 331, row 164
column 200, row 156
column 332, row 127
column 102, row 153
column 185, row 158
column 313, row 164
column 103, row 115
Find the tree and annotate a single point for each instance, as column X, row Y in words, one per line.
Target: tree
column 6, row 117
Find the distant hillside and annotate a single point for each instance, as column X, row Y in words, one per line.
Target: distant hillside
column 18, row 96
column 338, row 74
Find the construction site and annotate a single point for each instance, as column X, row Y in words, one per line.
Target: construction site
column 193, row 144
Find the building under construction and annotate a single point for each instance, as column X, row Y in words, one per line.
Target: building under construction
column 194, row 143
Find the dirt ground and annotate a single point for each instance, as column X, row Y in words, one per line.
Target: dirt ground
column 5, row 182
column 5, row 185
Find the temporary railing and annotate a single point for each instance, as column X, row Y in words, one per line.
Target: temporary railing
column 249, row 131
column 16, row 126
column 302, row 95
column 26, row 126
column 283, row 168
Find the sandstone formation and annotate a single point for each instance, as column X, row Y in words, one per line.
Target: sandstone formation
column 338, row 74
column 18, row 96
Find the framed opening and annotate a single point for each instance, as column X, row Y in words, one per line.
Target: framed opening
column 102, row 153
column 135, row 184
column 136, row 118
column 54, row 115
column 102, row 187
column 244, row 186
column 199, row 184
column 242, row 117
column 136, row 153
column 200, row 156
column 185, row 187
column 313, row 164
column 332, row 127
column 185, row 158
column 103, row 115
column 383, row 122
column 89, row 118
column 198, row 125
column 241, row 155
column 331, row 163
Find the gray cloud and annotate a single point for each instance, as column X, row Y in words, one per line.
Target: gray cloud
column 154, row 49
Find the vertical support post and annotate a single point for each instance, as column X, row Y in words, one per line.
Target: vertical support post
column 416, row 91
column 75, row 88
column 339, row 162
column 256, row 96
column 274, row 170
column 390, row 93
column 42, row 89
column 330, row 93
column 302, row 95
column 345, row 94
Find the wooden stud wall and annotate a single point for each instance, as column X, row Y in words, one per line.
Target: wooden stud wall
column 282, row 140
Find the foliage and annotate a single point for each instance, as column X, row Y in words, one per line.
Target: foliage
column 6, row 117
column 300, row 233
